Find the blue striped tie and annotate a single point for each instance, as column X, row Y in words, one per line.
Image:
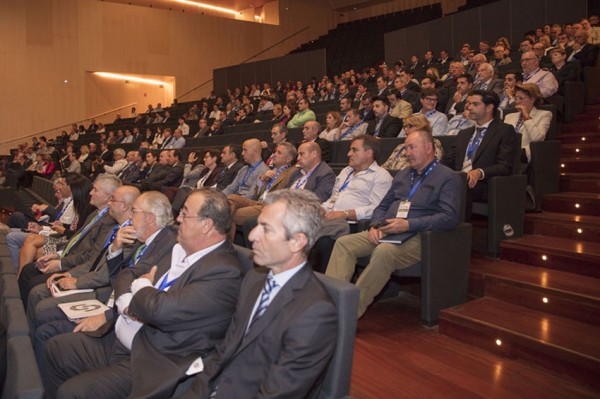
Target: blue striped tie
column 265, row 299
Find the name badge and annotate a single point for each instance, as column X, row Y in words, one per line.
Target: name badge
column 111, row 300
column 403, row 210
column 467, row 165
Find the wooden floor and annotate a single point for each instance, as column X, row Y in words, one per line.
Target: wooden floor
column 395, row 356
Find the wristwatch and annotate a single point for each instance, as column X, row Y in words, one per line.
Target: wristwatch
column 347, row 213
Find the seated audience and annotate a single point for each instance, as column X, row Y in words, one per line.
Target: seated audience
column 531, row 122
column 164, row 306
column 399, row 108
column 310, row 132
column 384, row 125
column 393, row 240
column 305, row 114
column 437, row 120
column 246, row 180
column 306, row 323
column 532, row 73
column 353, row 126
column 563, row 71
column 333, row 120
column 278, row 135
column 398, row 159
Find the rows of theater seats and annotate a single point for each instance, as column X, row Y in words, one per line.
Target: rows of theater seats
column 23, row 380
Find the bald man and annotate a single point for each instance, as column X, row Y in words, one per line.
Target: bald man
column 245, row 182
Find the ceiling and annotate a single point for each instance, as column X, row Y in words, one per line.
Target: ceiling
column 236, row 5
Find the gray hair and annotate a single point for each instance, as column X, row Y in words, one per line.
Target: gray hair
column 290, row 148
column 303, row 214
column 216, row 208
column 119, row 151
column 109, row 182
column 157, row 203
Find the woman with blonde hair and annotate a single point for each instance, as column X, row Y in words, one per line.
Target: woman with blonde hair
column 333, row 120
column 413, row 123
column 531, row 122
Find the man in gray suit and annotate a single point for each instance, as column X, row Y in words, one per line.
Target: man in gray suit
column 168, row 317
column 486, row 81
column 92, row 274
column 284, row 330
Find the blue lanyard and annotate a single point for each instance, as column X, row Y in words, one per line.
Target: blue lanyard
column 412, row 179
column 301, row 182
column 519, row 122
column 400, row 151
column 166, row 284
column 353, row 128
column 276, row 175
column 64, row 209
column 378, row 125
column 249, row 172
column 460, row 121
column 114, row 233
column 134, row 261
column 474, row 145
column 347, row 181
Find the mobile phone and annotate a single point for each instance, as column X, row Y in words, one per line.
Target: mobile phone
column 38, row 265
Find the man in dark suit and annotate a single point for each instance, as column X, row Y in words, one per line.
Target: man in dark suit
column 137, row 136
column 486, row 81
column 232, row 164
column 413, row 98
column 84, row 245
column 485, row 150
column 384, row 124
column 203, row 128
column 149, row 169
column 445, row 59
column 284, row 329
column 311, row 132
column 582, row 50
column 312, row 173
column 456, row 106
column 214, row 130
column 131, row 172
column 170, row 317
column 174, row 173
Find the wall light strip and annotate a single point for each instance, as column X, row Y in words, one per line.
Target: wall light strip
column 127, row 77
column 208, row 6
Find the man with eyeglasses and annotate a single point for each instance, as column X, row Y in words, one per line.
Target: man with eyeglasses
column 171, row 312
column 437, row 120
column 84, row 245
column 532, row 73
column 46, row 319
column 582, row 50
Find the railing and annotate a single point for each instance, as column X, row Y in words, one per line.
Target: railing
column 67, row 125
column 246, row 60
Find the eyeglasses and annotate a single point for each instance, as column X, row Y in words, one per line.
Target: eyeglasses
column 527, row 59
column 408, row 126
column 431, row 99
column 134, row 211
column 183, row 215
column 114, row 200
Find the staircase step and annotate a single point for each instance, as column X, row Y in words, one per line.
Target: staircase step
column 561, row 345
column 578, row 257
column 573, row 203
column 582, row 125
column 584, row 164
column 579, row 150
column 552, row 291
column 563, row 225
column 580, row 182
column 577, row 137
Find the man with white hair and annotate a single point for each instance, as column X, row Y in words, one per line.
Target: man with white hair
column 486, row 81
column 119, row 164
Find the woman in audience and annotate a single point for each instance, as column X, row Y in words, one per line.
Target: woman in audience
column 353, row 82
column 209, row 175
column 503, row 41
column 289, row 110
column 111, row 137
column 289, row 86
column 158, row 138
column 81, row 130
column 531, row 122
column 101, row 128
column 246, row 90
column 277, row 113
column 545, row 40
column 433, row 71
column 398, row 159
column 48, row 167
column 84, row 159
column 333, row 120
column 563, row 71
column 78, row 187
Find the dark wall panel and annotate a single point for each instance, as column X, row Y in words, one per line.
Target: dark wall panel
column 294, row 67
column 416, row 41
column 495, row 19
column 529, row 16
column 466, row 29
column 233, row 77
column 394, row 43
column 440, row 36
column 557, row 13
column 220, row 80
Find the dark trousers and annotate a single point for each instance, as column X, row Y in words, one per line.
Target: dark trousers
column 80, row 366
column 49, row 323
column 29, row 278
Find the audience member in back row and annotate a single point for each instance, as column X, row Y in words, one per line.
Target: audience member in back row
column 246, row 179
column 563, row 71
column 384, row 125
column 398, row 160
column 304, row 115
column 531, row 122
column 310, row 132
column 424, row 197
column 485, row 150
column 533, row 74
column 437, row 120
column 289, row 337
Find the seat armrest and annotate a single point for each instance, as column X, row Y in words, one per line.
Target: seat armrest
column 545, row 169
